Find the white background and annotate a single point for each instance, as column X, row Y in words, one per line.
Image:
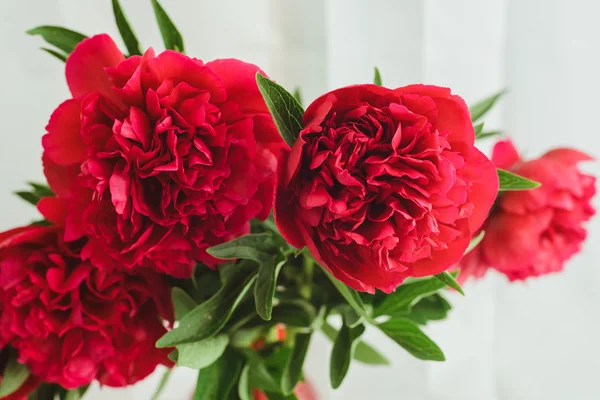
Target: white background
column 525, row 341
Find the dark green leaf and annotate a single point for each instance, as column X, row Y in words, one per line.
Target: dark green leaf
column 131, row 42
column 293, row 368
column 406, row 295
column 408, row 335
column 61, row 56
column 350, row 317
column 364, row 353
column 173, row 355
column 377, row 77
column 182, row 302
column 171, row 36
column 248, row 247
column 41, row 189
column 430, row 308
column 264, row 288
column 510, row 181
column 285, row 109
column 260, row 377
column 13, row 377
column 162, row 384
column 298, row 95
column 216, row 381
column 350, row 295
column 343, row 352
column 478, row 129
column 244, row 389
column 208, row 318
column 29, row 197
column 484, row 135
column 481, row 108
column 76, row 394
column 449, row 280
column 201, row 354
column 294, row 313
column 64, row 39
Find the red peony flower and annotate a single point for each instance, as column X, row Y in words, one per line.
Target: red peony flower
column 72, row 323
column 531, row 233
column 384, row 184
column 159, row 156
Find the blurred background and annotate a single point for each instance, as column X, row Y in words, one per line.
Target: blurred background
column 524, row 341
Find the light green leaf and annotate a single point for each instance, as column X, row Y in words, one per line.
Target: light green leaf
column 481, row 108
column 430, row 308
column 162, row 384
column 377, row 77
column 208, row 318
column 171, row 36
column 350, row 317
column 131, row 42
column 201, row 354
column 247, row 247
column 264, row 288
column 293, row 368
column 61, row 56
column 298, row 95
column 62, row 38
column 182, row 302
column 284, row 108
column 478, row 129
column 217, row 381
column 244, row 389
column 449, row 280
column 14, row 376
column 343, row 352
column 260, row 377
column 475, row 241
column 350, row 295
column 510, row 181
column 76, row 394
column 364, row 352
column 408, row 335
column 484, row 135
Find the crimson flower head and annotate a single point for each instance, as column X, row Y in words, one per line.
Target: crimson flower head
column 384, row 184
column 72, row 323
column 534, row 232
column 159, row 156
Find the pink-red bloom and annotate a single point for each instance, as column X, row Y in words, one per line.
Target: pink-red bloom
column 384, row 184
column 72, row 323
column 531, row 233
column 159, row 156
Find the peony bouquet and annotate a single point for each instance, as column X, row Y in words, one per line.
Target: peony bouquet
column 196, row 215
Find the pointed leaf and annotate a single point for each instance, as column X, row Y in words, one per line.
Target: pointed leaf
column 377, row 77
column 260, row 377
column 449, row 280
column 217, row 381
column 264, row 289
column 510, row 181
column 171, row 36
column 208, row 318
column 350, row 295
column 29, row 197
column 481, row 108
column 484, row 135
column 478, row 129
column 182, row 302
column 343, row 352
column 430, row 308
column 76, row 394
column 64, row 39
column 284, row 108
column 201, row 354
column 298, row 95
column 293, row 368
column 13, row 377
column 61, row 56
column 247, row 247
column 364, row 353
column 131, row 42
column 408, row 335
column 41, row 189
column 162, row 384
column 244, row 389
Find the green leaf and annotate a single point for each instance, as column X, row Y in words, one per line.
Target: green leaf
column 377, row 77
column 364, row 353
column 293, row 368
column 298, row 313
column 298, row 95
column 478, row 129
column 510, row 181
column 350, row 295
column 484, row 135
column 475, row 241
column 264, row 289
column 260, row 377
column 216, row 381
column 29, row 197
column 61, row 56
column 350, row 317
column 407, row 295
column 408, row 335
column 449, row 280
column 201, row 354
column 208, row 318
column 182, row 302
column 430, row 308
column 343, row 352
column 13, row 377
column 162, row 384
column 285, row 109
column 481, row 108
column 131, row 42
column 248, row 247
column 76, row 394
column 41, row 189
column 171, row 36
column 62, row 38
column 244, row 389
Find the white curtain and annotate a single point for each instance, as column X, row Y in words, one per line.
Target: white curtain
column 525, row 341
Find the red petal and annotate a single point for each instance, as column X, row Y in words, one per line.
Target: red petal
column 85, row 67
column 284, row 207
column 62, row 179
column 483, row 191
column 63, row 142
column 53, row 209
column 505, row 154
column 442, row 260
column 568, row 157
